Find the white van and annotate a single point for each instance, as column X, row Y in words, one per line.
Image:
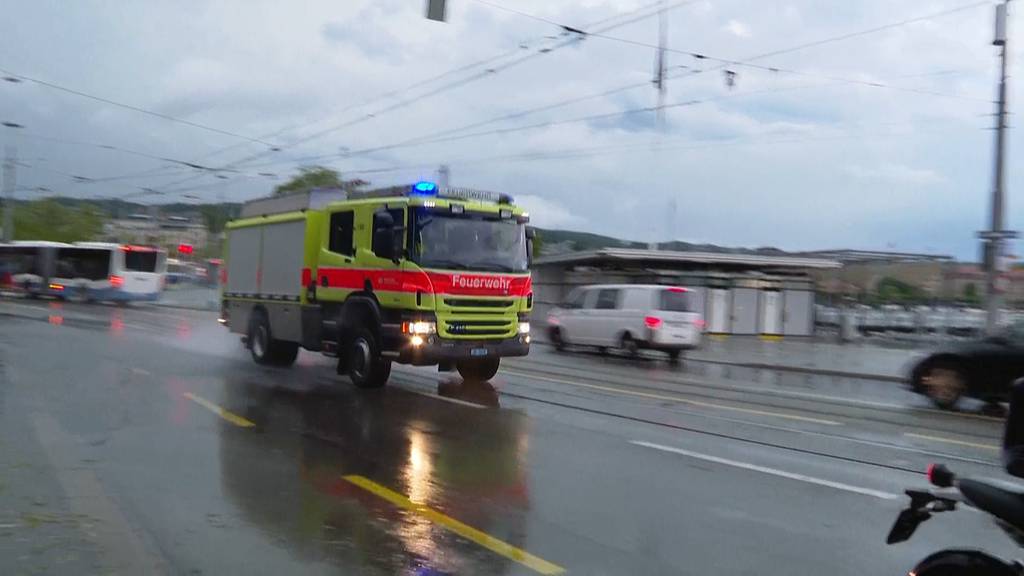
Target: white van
column 629, row 317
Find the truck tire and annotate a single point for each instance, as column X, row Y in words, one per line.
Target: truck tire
column 259, row 338
column 478, row 370
column 264, row 348
column 366, row 368
column 284, row 353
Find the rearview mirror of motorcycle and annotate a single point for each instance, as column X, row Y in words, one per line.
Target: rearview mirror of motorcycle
column 939, row 475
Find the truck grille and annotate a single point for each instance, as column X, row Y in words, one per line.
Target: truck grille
column 478, row 303
column 478, row 327
column 470, row 318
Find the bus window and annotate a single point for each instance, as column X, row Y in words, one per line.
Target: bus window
column 88, row 263
column 140, row 260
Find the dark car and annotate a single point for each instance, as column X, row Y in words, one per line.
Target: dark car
column 983, row 369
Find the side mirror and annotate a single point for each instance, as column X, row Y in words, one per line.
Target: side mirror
column 383, row 243
column 998, row 340
column 530, row 235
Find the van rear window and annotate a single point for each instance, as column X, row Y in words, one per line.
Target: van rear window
column 676, row 301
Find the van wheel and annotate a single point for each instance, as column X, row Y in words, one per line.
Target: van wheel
column 944, row 382
column 366, row 369
column 556, row 339
column 479, row 370
column 628, row 345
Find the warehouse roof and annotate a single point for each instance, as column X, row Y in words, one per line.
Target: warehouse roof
column 623, row 255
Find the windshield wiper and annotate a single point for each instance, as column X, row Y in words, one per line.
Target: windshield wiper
column 493, row 267
column 450, row 264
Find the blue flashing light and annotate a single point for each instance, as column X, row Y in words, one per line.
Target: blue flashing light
column 425, row 188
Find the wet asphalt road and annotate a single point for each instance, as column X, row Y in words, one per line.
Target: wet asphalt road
column 144, row 440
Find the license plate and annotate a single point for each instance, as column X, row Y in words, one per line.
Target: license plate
column 478, row 352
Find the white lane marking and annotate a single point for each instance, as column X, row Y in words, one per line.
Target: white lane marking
column 771, row 471
column 141, row 371
column 436, row 396
column 719, row 385
column 679, row 399
column 444, row 398
column 953, row 441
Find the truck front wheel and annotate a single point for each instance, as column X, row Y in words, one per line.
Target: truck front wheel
column 478, row 370
column 365, row 366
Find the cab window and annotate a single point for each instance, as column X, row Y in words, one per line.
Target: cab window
column 341, row 233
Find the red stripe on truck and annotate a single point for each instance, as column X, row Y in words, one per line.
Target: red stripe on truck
column 456, row 283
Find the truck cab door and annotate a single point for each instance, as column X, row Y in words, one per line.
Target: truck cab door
column 383, row 274
column 335, row 276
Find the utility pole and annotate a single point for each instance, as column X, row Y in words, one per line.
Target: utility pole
column 443, row 176
column 9, row 184
column 660, row 63
column 995, row 238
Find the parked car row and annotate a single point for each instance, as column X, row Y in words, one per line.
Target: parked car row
column 629, row 318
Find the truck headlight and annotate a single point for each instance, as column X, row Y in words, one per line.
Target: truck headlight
column 524, row 327
column 419, row 327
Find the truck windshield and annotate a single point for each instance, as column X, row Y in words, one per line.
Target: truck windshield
column 470, row 242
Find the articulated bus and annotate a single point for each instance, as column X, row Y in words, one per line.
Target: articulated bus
column 90, row 271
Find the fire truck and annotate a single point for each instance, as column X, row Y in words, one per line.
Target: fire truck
column 413, row 274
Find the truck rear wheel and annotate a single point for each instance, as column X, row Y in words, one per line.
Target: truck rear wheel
column 478, row 370
column 264, row 348
column 365, row 366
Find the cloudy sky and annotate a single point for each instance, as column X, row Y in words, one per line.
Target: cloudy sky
column 830, row 136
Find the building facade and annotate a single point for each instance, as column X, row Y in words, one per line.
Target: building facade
column 167, row 233
column 739, row 294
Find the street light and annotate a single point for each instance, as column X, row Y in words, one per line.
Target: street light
column 9, row 184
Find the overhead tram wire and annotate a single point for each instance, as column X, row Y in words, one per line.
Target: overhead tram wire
column 638, row 14
column 523, row 45
column 429, row 138
column 586, row 152
column 10, row 74
column 574, row 38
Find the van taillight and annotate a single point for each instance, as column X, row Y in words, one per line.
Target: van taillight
column 652, row 322
column 116, row 281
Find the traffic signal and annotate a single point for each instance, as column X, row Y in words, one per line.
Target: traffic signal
column 436, row 10
column 184, row 249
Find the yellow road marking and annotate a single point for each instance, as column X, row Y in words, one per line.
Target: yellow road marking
column 229, row 416
column 468, row 532
column 952, row 441
column 681, row 400
column 771, row 337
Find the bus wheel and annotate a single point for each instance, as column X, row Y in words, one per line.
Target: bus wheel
column 478, row 370
column 365, row 366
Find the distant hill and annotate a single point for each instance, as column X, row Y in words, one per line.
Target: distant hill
column 122, row 208
column 564, row 241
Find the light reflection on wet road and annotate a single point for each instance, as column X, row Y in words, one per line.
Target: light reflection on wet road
column 145, row 440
